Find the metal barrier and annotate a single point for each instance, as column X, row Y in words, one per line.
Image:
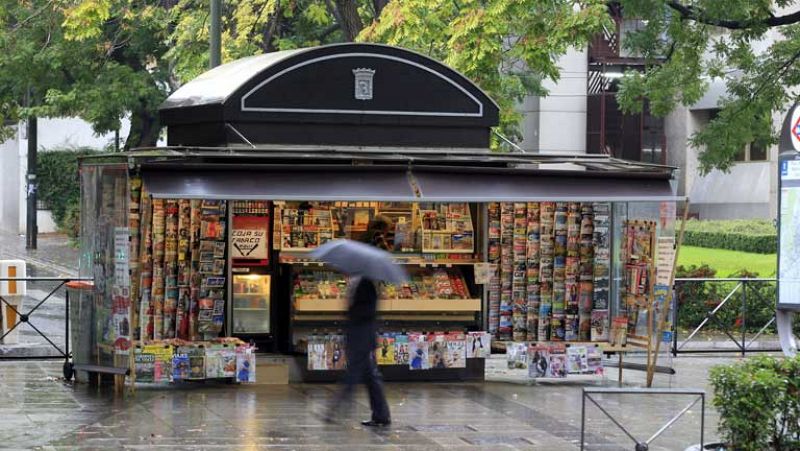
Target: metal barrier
column 26, row 318
column 748, row 297
column 643, row 445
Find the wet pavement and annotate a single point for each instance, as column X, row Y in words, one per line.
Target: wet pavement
column 38, row 411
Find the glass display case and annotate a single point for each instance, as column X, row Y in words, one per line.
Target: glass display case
column 251, row 304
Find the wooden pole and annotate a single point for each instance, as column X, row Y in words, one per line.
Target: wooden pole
column 668, row 299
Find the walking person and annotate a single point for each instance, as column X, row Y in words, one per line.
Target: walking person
column 361, row 337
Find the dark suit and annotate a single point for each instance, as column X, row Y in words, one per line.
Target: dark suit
column 361, row 343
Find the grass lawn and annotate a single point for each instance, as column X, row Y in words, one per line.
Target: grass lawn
column 728, row 262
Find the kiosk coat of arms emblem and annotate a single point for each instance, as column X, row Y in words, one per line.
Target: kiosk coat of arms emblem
column 363, row 83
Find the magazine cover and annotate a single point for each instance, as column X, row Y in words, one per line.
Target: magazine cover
column 619, row 331
column 335, row 352
column 384, row 354
column 456, row 351
column 317, row 359
column 144, row 365
column 436, row 351
column 594, row 359
column 516, row 356
column 558, row 362
column 214, row 362
column 197, row 361
column 401, row 349
column 245, row 364
column 479, row 345
column 577, row 362
column 418, row 354
column 180, row 366
column 162, row 364
column 599, row 325
column 538, row 360
column 228, row 357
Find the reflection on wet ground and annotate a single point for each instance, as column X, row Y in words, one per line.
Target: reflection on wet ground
column 39, row 411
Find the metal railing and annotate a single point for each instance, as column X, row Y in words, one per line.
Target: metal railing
column 25, row 318
column 643, row 445
column 743, row 295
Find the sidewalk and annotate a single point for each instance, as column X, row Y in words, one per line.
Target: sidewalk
column 53, row 257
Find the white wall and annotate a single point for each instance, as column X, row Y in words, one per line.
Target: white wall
column 557, row 123
column 53, row 133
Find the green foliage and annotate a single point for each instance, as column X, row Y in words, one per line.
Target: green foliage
column 688, row 44
column 59, row 186
column 758, row 236
column 507, row 47
column 697, row 298
column 758, row 400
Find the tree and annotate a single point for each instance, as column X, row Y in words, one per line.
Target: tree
column 508, row 47
column 690, row 42
column 104, row 60
column 77, row 58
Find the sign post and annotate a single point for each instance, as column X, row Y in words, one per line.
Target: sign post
column 788, row 285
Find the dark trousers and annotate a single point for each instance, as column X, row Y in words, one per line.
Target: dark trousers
column 361, row 368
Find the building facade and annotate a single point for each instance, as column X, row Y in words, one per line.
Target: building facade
column 53, row 133
column 581, row 115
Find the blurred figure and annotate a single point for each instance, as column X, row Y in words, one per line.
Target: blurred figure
column 361, row 336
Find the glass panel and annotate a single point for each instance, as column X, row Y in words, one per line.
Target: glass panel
column 251, row 304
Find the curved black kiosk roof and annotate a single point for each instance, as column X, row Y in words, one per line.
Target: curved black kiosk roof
column 343, row 94
column 361, row 122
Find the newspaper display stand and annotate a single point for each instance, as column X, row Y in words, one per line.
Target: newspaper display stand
column 201, row 247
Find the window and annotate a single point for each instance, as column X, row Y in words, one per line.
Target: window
column 758, row 151
column 754, row 151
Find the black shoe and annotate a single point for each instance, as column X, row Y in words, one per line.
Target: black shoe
column 373, row 423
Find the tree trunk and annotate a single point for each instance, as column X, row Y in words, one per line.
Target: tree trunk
column 144, row 130
column 350, row 21
column 377, row 7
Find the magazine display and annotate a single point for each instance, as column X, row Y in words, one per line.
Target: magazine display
column 418, row 354
column 539, row 360
column 317, row 353
column 437, row 348
column 493, row 256
column 384, row 354
column 558, row 362
column 561, row 360
column 577, row 360
column 245, row 364
column 505, row 329
column 401, row 352
column 479, row 345
column 554, row 261
column 517, row 355
column 532, row 262
column 456, row 351
column 519, row 276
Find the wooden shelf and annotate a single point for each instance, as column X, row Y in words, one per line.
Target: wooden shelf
column 392, row 305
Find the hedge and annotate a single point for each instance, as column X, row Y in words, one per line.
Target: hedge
column 759, row 403
column 59, row 186
column 758, row 236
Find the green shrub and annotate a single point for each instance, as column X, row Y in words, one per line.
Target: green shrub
column 696, row 299
column 758, row 401
column 59, row 186
column 753, row 235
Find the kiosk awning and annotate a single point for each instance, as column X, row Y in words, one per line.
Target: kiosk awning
column 528, row 185
column 280, row 183
column 399, row 183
